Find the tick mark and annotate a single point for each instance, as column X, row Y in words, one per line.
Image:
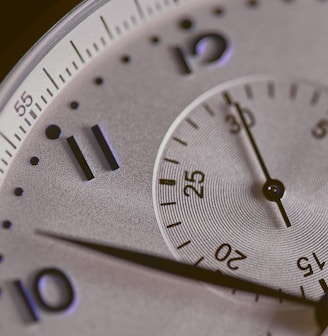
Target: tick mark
column 173, row 225
column 44, row 100
column 208, row 108
column 106, row 27
column 38, row 107
column 50, row 78
column 171, row 161
column 227, row 98
column 27, row 122
column 62, row 78
column 192, row 123
column 139, row 8
column 10, row 143
column 167, row 182
column 95, row 46
column 198, row 261
column 180, row 141
column 17, row 137
column 103, row 41
column 49, row 92
column 33, row 114
column 168, row 203
column 77, row 51
column 183, row 245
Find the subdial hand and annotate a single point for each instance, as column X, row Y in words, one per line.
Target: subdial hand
column 181, row 269
column 273, row 189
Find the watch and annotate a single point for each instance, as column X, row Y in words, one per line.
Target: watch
column 186, row 136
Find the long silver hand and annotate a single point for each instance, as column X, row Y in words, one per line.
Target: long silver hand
column 180, row 269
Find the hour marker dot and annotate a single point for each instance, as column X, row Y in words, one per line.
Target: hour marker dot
column 155, row 40
column 53, row 132
column 126, row 59
column 218, row 11
column 6, row 224
column 19, row 191
column 74, row 105
column 186, row 24
column 253, row 3
column 34, row 160
column 99, row 81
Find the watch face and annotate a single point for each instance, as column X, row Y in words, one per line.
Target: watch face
column 190, row 130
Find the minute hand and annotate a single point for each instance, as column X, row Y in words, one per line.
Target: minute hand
column 181, row 269
column 273, row 189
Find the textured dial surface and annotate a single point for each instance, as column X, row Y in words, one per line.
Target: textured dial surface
column 82, row 121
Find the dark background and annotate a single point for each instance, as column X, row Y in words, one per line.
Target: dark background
column 23, row 22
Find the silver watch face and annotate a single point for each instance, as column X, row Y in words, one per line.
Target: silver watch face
column 192, row 130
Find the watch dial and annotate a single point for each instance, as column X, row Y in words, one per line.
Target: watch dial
column 194, row 130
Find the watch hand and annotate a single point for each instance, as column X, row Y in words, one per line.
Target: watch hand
column 181, row 269
column 273, row 189
column 322, row 314
column 252, row 140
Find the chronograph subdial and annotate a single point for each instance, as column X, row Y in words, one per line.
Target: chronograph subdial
column 215, row 206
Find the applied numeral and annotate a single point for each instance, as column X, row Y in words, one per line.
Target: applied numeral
column 36, row 298
column 208, row 48
column 104, row 146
